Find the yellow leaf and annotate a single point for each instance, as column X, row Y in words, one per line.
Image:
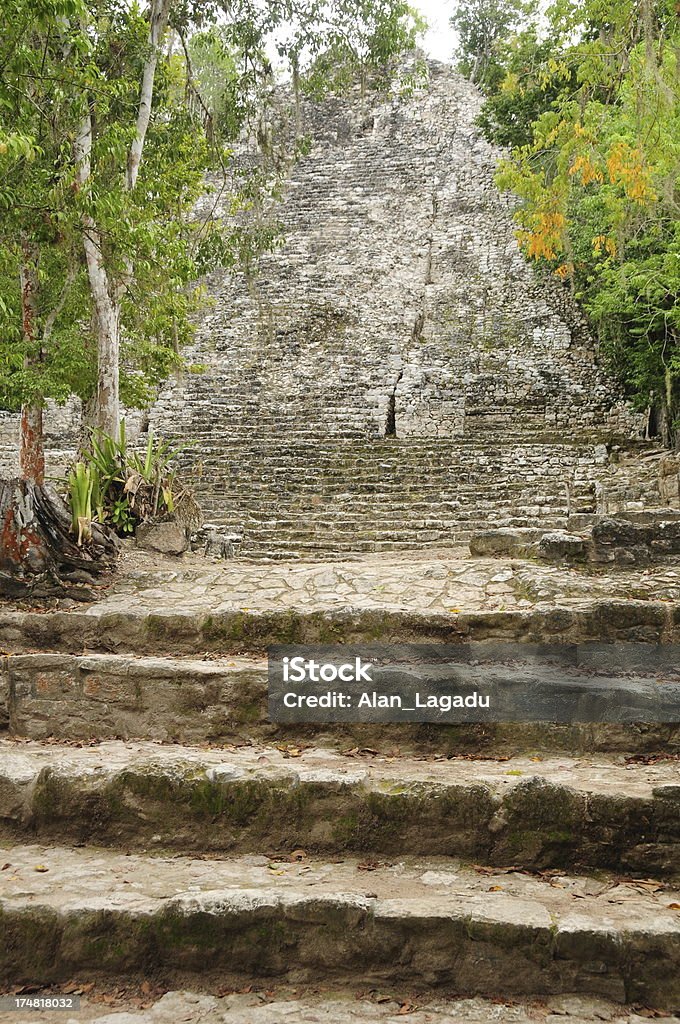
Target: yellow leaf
column 584, row 166
column 626, row 167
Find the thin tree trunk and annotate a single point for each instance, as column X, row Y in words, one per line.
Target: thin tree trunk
column 31, row 450
column 158, row 20
column 106, row 293
column 106, row 311
column 107, row 409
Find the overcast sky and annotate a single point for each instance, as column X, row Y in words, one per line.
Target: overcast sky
column 440, row 38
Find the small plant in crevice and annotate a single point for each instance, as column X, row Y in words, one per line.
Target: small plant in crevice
column 121, row 488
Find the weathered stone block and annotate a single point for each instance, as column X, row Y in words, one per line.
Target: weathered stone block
column 164, row 536
column 627, row 543
column 505, row 541
column 562, row 547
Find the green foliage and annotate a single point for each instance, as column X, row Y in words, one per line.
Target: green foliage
column 592, row 112
column 483, row 28
column 80, row 486
column 122, row 488
column 64, row 59
column 522, row 88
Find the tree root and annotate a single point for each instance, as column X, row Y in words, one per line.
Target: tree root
column 39, row 556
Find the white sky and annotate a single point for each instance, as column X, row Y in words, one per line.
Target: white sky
column 440, row 38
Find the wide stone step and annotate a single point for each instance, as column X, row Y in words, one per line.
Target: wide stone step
column 342, row 516
column 374, row 453
column 278, row 1005
column 172, row 700
column 300, row 521
column 488, row 440
column 423, row 923
column 148, row 626
column 536, row 813
column 283, row 1004
column 266, row 539
column 318, row 537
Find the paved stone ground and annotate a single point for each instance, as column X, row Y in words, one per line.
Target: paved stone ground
column 446, row 581
column 276, row 1007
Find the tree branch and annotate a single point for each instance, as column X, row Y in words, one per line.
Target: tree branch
column 158, row 20
column 50, row 320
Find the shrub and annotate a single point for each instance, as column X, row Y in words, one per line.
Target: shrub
column 121, row 488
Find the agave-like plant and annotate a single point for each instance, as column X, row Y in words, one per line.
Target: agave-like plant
column 124, row 488
column 81, row 483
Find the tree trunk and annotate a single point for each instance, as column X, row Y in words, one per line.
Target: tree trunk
column 107, row 291
column 31, row 451
column 39, row 556
column 107, row 400
column 106, row 318
column 158, row 20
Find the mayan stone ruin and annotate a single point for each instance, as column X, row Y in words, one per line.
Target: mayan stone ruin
column 398, row 432
column 395, row 375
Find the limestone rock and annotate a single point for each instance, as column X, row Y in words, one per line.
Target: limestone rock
column 163, row 536
column 629, row 543
column 512, row 542
column 559, row 546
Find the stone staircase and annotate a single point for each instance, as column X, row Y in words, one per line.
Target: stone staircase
column 327, row 498
column 395, row 375
column 159, row 829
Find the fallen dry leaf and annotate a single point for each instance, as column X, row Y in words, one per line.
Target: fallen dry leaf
column 483, row 869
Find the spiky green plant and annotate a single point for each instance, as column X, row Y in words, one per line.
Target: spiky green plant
column 81, row 482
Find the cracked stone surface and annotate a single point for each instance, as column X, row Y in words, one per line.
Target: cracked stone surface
column 22, row 762
column 450, row 582
column 273, row 1007
column 72, row 879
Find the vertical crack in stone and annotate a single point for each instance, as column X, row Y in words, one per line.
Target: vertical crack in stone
column 418, row 327
column 391, row 418
column 430, row 240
